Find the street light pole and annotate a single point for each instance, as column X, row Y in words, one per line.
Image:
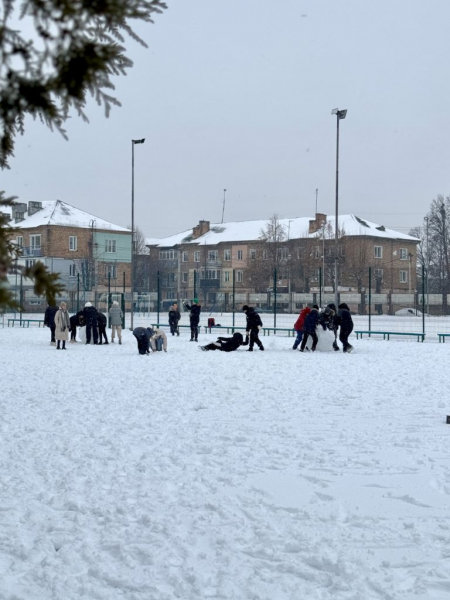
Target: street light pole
column 133, row 142
column 427, row 259
column 340, row 114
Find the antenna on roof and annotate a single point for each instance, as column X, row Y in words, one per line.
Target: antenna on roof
column 223, row 207
column 317, row 193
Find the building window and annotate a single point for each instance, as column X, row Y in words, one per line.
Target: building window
column 185, row 276
column 317, row 252
column 29, row 262
column 19, row 241
column 73, row 242
column 72, row 270
column 265, row 254
column 315, row 276
column 110, row 271
column 197, row 256
column 282, row 253
column 403, row 276
column 168, row 255
column 378, row 251
column 213, row 255
column 239, row 276
column 226, row 276
column 378, row 274
column 240, row 255
column 185, row 257
column 227, row 255
column 252, row 254
column 403, row 254
column 110, row 246
column 35, row 241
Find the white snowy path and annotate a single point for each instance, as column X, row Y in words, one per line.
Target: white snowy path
column 262, row 476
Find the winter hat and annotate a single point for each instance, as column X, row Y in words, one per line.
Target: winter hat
column 315, row 306
column 245, row 307
column 87, row 305
column 115, row 303
column 195, row 300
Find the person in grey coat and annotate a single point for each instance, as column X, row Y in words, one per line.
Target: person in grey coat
column 116, row 316
column 62, row 326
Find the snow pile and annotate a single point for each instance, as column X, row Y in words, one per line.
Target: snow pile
column 265, row 475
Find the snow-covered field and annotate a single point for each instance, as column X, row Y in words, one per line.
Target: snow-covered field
column 263, row 476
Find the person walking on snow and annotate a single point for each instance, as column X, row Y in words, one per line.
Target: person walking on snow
column 254, row 324
column 346, row 326
column 299, row 325
column 174, row 317
column 116, row 316
column 62, row 325
column 226, row 344
column 194, row 317
column 90, row 316
column 49, row 321
column 309, row 328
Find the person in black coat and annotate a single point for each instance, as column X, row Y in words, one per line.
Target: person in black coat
column 309, row 328
column 254, row 324
column 76, row 321
column 346, row 326
column 226, row 344
column 143, row 336
column 329, row 319
column 194, row 317
column 90, row 317
column 102, row 322
column 174, row 317
column 49, row 321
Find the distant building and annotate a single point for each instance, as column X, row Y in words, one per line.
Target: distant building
column 84, row 249
column 304, row 259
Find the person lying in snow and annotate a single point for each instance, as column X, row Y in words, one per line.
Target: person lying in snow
column 227, row 344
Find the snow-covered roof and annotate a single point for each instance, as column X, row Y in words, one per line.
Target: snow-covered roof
column 56, row 212
column 297, row 228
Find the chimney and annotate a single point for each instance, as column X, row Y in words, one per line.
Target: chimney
column 6, row 216
column 318, row 222
column 18, row 211
column 200, row 229
column 34, row 207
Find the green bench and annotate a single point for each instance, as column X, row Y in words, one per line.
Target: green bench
column 275, row 329
column 23, row 321
column 442, row 337
column 386, row 334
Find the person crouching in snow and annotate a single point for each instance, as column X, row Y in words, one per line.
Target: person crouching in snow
column 158, row 341
column 346, row 323
column 143, row 336
column 309, row 328
column 299, row 326
column 62, row 326
column 226, row 344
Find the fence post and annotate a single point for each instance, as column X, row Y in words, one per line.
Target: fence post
column 123, row 302
column 234, row 294
column 423, row 298
column 158, row 300
column 275, row 297
column 109, row 299
column 370, row 297
column 195, row 283
column 78, row 292
column 320, row 286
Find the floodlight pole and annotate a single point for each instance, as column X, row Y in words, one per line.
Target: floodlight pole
column 340, row 114
column 133, row 142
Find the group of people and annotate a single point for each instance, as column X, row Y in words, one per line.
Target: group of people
column 95, row 322
column 329, row 319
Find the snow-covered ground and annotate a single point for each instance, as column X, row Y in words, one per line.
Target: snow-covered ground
column 263, row 476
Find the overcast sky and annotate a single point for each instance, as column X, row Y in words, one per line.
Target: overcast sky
column 237, row 94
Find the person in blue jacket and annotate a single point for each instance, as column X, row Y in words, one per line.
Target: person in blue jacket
column 49, row 321
column 194, row 317
column 309, row 328
column 143, row 336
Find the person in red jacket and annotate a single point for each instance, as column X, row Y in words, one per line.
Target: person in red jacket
column 299, row 326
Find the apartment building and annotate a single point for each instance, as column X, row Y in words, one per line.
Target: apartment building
column 215, row 259
column 85, row 250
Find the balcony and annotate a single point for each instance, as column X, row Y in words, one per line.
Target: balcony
column 208, row 284
column 31, row 251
